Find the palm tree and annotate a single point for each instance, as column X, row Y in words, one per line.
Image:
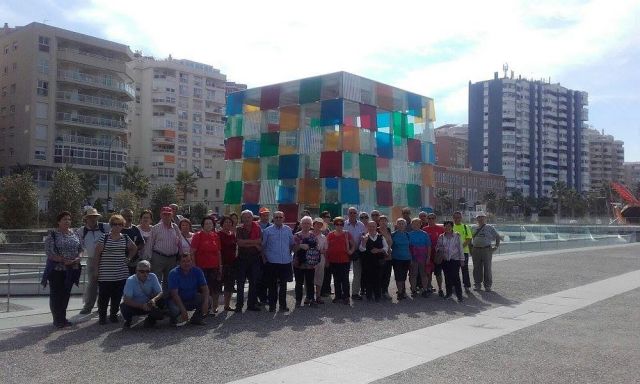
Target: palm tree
column 559, row 193
column 134, row 180
column 186, row 183
column 489, row 199
column 444, row 201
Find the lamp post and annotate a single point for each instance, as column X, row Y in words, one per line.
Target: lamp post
column 109, row 205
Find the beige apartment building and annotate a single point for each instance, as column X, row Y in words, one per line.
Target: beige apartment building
column 64, row 99
column 179, row 124
column 606, row 159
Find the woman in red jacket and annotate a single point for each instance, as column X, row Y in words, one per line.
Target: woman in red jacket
column 340, row 246
column 205, row 247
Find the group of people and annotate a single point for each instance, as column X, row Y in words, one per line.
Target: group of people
column 167, row 270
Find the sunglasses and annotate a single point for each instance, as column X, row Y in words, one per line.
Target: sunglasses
column 364, row 217
column 375, row 214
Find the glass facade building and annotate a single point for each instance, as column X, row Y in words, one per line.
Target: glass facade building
column 327, row 143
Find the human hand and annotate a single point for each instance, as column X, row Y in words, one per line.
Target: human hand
column 304, row 246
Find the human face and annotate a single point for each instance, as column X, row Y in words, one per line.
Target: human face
column 353, row 215
column 317, row 226
column 128, row 217
column 278, row 218
column 64, row 223
column 264, row 217
column 384, row 222
column 415, row 224
column 246, row 218
column 234, row 219
column 375, row 216
column 406, row 214
column 91, row 221
column 142, row 274
column 145, row 219
column 166, row 218
column 185, row 227
column 401, row 225
column 448, row 228
column 208, row 225
column 423, row 217
column 116, row 226
column 186, row 263
column 306, row 225
column 481, row 220
column 228, row 224
column 339, row 226
column 372, row 227
column 364, row 219
column 431, row 220
column 457, row 218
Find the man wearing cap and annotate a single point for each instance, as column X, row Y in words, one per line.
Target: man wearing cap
column 482, row 252
column 89, row 234
column 264, row 218
column 163, row 246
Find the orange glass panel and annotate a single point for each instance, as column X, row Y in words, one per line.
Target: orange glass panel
column 169, row 159
column 331, row 141
column 289, row 118
column 251, row 169
column 309, row 191
column 396, row 213
column 428, row 176
column 351, row 139
column 168, row 133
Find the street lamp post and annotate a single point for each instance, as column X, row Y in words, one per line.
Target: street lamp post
column 117, row 138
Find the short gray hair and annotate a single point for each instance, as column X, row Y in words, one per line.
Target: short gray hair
column 246, row 212
column 307, row 218
column 143, row 263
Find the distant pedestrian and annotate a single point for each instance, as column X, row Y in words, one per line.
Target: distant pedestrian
column 483, row 236
column 340, row 246
column 277, row 243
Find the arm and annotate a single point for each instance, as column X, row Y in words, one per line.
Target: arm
column 497, row 237
column 98, row 253
column 132, row 250
column 363, row 243
column 352, row 244
column 178, row 301
column 148, row 249
column 385, row 246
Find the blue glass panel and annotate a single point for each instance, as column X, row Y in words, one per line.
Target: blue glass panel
column 331, row 183
column 288, row 167
column 349, row 191
column 252, row 207
column 286, row 194
column 331, row 112
column 384, row 145
column 252, row 148
column 234, row 103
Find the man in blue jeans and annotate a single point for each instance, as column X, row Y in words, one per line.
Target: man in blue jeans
column 141, row 296
column 189, row 291
column 277, row 243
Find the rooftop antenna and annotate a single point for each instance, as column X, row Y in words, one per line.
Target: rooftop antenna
column 505, row 68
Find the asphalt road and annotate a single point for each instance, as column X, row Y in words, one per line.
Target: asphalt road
column 596, row 344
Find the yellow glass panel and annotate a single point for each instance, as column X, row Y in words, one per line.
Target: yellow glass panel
column 251, row 169
column 396, row 213
column 289, row 118
column 287, row 150
column 431, row 110
column 428, row 178
column 351, row 139
column 250, row 108
column 331, row 141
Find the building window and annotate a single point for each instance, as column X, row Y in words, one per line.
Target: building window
column 43, row 66
column 206, row 193
column 6, row 50
column 12, row 109
column 12, row 90
column 42, row 110
column 197, row 92
column 43, row 88
column 4, row 91
column 14, row 66
column 40, row 153
column 217, row 175
column 41, row 132
column 217, row 193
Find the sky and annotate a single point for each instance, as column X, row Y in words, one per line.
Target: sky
column 428, row 47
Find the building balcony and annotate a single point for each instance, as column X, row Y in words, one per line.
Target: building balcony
column 91, row 142
column 92, row 101
column 97, row 82
column 89, row 121
column 157, row 100
column 91, row 59
column 163, row 140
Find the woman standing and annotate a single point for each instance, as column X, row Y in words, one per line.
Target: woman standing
column 205, row 247
column 146, row 220
column 113, row 252
column 229, row 253
column 450, row 244
column 387, row 265
column 319, row 276
column 186, row 236
column 373, row 247
column 401, row 257
column 340, row 246
column 63, row 251
column 306, row 257
column 420, row 248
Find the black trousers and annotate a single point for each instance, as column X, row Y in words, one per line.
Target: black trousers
column 304, row 277
column 248, row 269
column 385, row 279
column 109, row 292
column 371, row 275
column 466, row 281
column 58, row 297
column 326, row 282
column 277, row 276
column 451, row 270
column 340, row 273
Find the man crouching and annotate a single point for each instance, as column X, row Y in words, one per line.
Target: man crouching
column 142, row 296
column 188, row 291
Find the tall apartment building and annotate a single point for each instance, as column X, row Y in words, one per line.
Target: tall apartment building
column 632, row 174
column 64, row 99
column 179, row 124
column 452, row 146
column 529, row 131
column 606, row 159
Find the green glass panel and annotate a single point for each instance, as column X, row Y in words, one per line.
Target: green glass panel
column 413, row 195
column 411, row 131
column 368, row 168
column 334, row 209
column 310, row 90
column 237, row 126
column 233, row 192
column 315, row 122
column 269, row 143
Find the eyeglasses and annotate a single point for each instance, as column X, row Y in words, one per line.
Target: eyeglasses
column 353, row 213
column 143, row 271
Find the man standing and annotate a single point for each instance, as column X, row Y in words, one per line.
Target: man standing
column 465, row 236
column 264, row 218
column 141, row 295
column 163, row 246
column 482, row 252
column 424, row 221
column 406, row 215
column 135, row 235
column 357, row 230
column 189, row 291
column 248, row 235
column 434, row 231
column 277, row 243
column 174, row 214
column 89, row 234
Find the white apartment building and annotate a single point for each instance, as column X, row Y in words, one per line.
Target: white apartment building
column 179, row 124
column 529, row 131
column 64, row 100
column 606, row 159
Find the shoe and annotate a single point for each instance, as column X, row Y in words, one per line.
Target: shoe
column 272, row 309
column 254, row 309
column 228, row 308
column 386, row 296
column 299, row 303
column 238, row 310
column 127, row 324
column 347, row 301
column 196, row 321
column 476, row 288
column 467, row 289
column 426, row 294
column 440, row 293
column 85, row 311
column 284, row 309
column 325, row 294
column 448, row 295
column 101, row 321
column 307, row 301
column 488, row 289
column 319, row 301
column 356, row 297
column 414, row 293
column 336, row 300
column 460, row 299
column 114, row 318
column 313, row 304
column 149, row 322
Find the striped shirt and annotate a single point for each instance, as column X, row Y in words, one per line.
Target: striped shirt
column 163, row 239
column 113, row 260
column 452, row 246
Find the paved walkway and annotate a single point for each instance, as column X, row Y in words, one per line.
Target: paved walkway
column 565, row 316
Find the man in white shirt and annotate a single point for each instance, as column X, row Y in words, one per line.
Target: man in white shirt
column 89, row 234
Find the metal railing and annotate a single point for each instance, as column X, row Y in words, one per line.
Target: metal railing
column 105, row 82
column 90, row 120
column 93, row 100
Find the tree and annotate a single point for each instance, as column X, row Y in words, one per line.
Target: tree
column 198, row 211
column 559, row 191
column 18, row 201
column 161, row 196
column 186, row 183
column 66, row 195
column 89, row 183
column 126, row 199
column 134, row 180
column 489, row 199
column 444, row 201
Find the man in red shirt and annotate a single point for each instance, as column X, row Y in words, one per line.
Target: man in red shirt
column 249, row 238
column 434, row 231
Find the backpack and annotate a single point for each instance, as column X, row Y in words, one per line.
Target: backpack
column 85, row 229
